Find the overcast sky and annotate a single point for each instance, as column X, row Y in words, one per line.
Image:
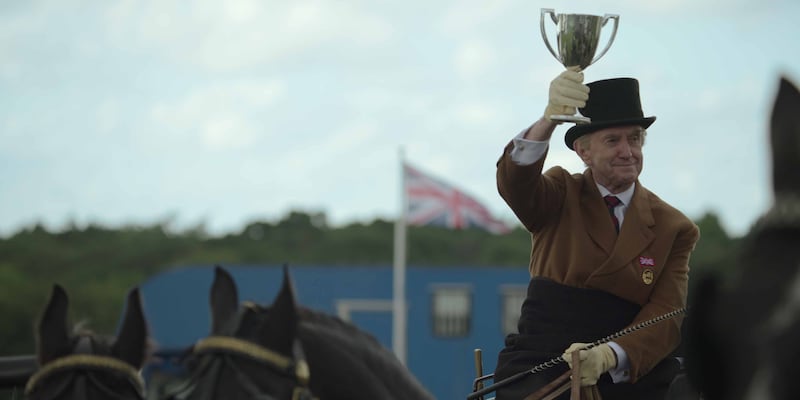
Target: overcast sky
column 224, row 112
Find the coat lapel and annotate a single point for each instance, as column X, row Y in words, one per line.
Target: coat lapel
column 595, row 213
column 636, row 233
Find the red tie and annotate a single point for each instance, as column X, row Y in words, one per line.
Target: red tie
column 612, row 202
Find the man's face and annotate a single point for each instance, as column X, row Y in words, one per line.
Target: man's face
column 615, row 156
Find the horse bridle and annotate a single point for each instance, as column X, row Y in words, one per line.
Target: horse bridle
column 89, row 362
column 295, row 368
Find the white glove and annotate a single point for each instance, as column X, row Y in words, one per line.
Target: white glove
column 594, row 361
column 567, row 92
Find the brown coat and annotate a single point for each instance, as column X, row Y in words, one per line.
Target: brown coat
column 574, row 243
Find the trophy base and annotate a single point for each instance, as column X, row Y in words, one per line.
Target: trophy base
column 571, row 118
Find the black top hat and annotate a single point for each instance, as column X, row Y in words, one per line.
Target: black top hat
column 612, row 102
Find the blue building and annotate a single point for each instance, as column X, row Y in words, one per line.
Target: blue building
column 451, row 310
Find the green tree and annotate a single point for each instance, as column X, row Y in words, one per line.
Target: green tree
column 716, row 251
column 98, row 265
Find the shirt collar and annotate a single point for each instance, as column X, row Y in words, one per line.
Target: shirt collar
column 625, row 196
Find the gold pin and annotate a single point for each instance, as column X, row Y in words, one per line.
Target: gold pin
column 647, row 276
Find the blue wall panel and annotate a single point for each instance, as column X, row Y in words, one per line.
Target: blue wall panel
column 176, row 305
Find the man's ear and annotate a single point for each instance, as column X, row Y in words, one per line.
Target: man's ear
column 582, row 152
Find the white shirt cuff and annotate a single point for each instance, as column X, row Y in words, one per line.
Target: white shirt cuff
column 527, row 152
column 622, row 372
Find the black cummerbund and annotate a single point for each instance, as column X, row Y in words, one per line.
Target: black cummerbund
column 555, row 316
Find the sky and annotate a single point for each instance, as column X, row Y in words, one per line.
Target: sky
column 220, row 113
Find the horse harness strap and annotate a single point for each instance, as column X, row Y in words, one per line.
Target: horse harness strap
column 295, row 368
column 87, row 362
column 228, row 344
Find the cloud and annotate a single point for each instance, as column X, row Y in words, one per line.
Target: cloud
column 269, row 104
column 345, row 143
column 685, row 181
column 471, row 113
column 473, row 58
column 219, row 116
column 465, row 17
column 673, row 8
column 242, row 34
column 107, row 117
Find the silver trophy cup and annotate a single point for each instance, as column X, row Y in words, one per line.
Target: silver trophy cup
column 578, row 37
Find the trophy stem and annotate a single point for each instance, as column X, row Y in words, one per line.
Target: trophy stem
column 571, row 118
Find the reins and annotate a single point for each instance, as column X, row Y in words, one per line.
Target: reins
column 478, row 393
column 87, row 362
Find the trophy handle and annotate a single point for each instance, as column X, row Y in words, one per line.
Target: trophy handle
column 544, row 34
column 615, row 17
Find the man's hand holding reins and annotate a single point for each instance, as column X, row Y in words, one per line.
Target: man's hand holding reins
column 594, row 361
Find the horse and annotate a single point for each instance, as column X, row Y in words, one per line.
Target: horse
column 742, row 331
column 287, row 351
column 83, row 365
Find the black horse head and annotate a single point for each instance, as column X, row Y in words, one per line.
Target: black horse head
column 252, row 352
column 286, row 351
column 86, row 366
column 742, row 331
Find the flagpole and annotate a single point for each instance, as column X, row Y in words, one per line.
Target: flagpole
column 399, row 272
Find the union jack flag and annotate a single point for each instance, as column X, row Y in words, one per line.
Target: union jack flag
column 433, row 202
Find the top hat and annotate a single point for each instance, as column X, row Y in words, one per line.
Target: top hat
column 612, row 102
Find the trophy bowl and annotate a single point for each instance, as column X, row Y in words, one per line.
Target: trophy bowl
column 578, row 38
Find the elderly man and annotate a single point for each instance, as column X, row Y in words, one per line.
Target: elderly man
column 606, row 252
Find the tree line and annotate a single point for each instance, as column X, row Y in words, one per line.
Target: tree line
column 98, row 265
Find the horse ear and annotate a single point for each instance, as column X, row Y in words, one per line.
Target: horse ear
column 284, row 315
column 224, row 301
column 52, row 335
column 131, row 343
column 785, row 139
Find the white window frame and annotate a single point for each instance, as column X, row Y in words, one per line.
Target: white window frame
column 451, row 317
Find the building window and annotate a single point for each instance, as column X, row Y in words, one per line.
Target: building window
column 513, row 297
column 452, row 311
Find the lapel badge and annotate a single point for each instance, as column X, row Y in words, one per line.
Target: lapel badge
column 647, row 276
column 646, row 262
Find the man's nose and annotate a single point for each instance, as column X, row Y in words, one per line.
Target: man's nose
column 625, row 150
